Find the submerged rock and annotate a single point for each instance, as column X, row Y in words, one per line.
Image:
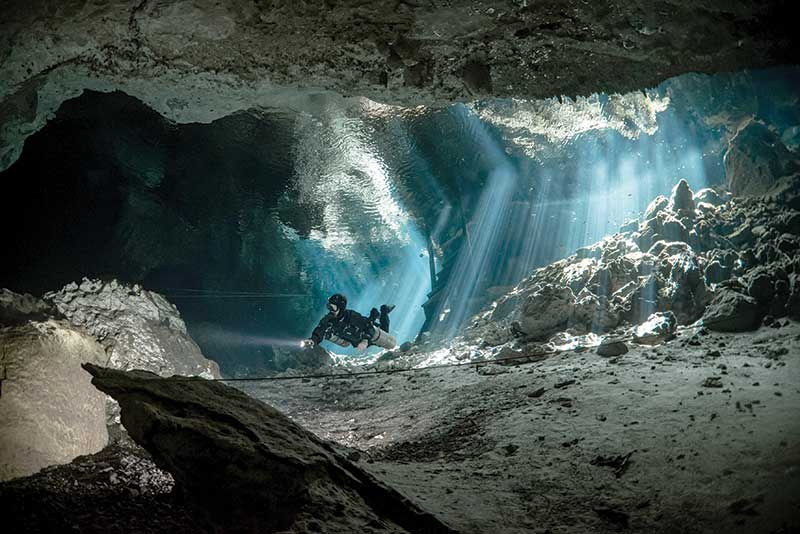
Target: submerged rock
column 16, row 308
column 658, row 328
column 731, row 311
column 288, row 358
column 245, row 467
column 546, row 310
column 756, row 160
column 49, row 412
column 612, row 347
column 681, row 199
column 708, row 196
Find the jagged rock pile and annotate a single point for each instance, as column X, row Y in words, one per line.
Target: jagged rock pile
column 139, row 329
column 728, row 261
column 245, row 467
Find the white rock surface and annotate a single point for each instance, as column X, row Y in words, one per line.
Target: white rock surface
column 49, row 411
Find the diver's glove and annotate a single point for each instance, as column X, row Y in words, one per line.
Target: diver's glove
column 307, row 344
column 363, row 345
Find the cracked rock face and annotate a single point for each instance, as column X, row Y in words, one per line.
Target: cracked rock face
column 200, row 60
column 245, row 467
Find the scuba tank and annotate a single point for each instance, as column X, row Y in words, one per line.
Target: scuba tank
column 382, row 339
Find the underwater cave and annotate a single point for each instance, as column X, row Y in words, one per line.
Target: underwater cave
column 585, row 221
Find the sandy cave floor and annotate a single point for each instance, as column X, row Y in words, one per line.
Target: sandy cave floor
column 710, row 422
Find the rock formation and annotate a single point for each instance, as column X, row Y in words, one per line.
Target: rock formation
column 756, row 160
column 139, row 329
column 692, row 257
column 245, row 467
column 49, row 412
column 287, row 358
column 196, row 61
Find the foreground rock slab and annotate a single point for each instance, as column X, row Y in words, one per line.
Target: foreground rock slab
column 245, row 467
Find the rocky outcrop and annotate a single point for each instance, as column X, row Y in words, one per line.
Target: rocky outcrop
column 658, row 328
column 731, row 311
column 200, row 60
column 756, row 160
column 139, row 329
column 728, row 261
column 612, row 347
column 49, row 412
column 245, row 467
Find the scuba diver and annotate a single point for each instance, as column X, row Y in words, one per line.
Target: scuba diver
column 347, row 327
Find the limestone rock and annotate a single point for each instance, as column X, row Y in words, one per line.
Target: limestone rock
column 195, row 61
column 245, row 467
column 593, row 313
column 657, row 204
column 681, row 199
column 658, row 328
column 138, row 328
column 546, row 310
column 756, row 160
column 731, row 311
column 49, row 412
column 747, row 245
column 761, row 288
column 708, row 196
column 612, row 347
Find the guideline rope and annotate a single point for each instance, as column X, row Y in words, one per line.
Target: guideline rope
column 531, row 357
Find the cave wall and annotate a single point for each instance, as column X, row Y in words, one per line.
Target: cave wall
column 201, row 60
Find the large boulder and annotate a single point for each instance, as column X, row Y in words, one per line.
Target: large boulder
column 546, row 310
column 245, row 467
column 139, row 329
column 686, row 294
column 681, row 199
column 756, row 160
column 49, row 411
column 659, row 327
column 731, row 311
column 708, row 196
column 612, row 347
column 593, row 313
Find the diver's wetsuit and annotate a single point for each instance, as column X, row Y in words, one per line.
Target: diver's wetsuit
column 350, row 326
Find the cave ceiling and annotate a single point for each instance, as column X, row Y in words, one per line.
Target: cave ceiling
column 200, row 60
